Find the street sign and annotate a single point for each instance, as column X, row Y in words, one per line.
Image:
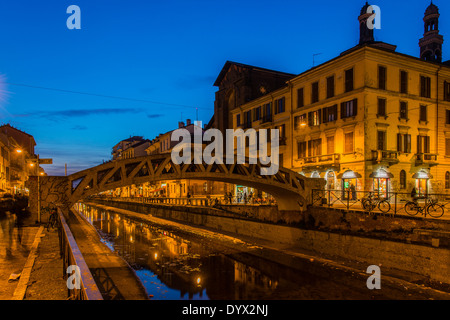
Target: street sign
column 45, row 161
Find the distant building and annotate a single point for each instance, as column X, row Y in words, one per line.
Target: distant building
column 17, row 159
column 119, row 150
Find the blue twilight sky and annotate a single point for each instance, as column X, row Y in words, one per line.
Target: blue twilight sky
column 167, row 54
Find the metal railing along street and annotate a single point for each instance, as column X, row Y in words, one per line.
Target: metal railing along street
column 378, row 202
column 72, row 256
column 193, row 201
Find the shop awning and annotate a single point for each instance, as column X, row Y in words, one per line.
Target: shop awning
column 381, row 175
column 349, row 175
column 422, row 175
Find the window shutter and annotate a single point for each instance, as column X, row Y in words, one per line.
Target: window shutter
column 407, row 148
column 355, row 107
column 419, row 144
column 399, row 142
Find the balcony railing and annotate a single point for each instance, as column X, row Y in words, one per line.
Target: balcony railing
column 387, row 156
column 426, row 158
column 267, row 118
column 327, row 158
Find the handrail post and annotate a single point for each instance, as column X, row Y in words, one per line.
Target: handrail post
column 395, row 203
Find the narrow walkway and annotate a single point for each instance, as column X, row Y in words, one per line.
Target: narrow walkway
column 114, row 277
column 46, row 280
column 13, row 262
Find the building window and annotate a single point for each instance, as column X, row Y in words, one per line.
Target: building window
column 423, row 144
column 238, row 120
column 349, row 80
column 381, row 140
column 301, row 149
column 267, row 112
column 403, row 179
column 330, row 145
column 349, row 108
column 381, row 107
column 330, row 87
column 314, row 118
column 315, row 147
column 403, row 110
column 300, row 98
column 281, row 105
column 300, row 121
column 447, row 180
column 348, row 142
column 447, row 147
column 447, row 116
column 423, row 113
column 404, row 143
column 315, row 92
column 329, row 114
column 257, row 114
column 282, row 134
column 248, row 119
column 425, row 87
column 403, row 82
column 446, row 91
column 382, row 73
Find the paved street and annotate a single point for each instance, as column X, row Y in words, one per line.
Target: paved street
column 39, row 270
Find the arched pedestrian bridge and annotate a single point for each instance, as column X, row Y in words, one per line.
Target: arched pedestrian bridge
column 291, row 190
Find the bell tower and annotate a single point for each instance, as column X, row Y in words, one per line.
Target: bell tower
column 431, row 43
column 365, row 33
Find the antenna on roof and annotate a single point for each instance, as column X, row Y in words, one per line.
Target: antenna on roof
column 314, row 56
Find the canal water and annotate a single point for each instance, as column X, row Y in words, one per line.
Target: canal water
column 174, row 265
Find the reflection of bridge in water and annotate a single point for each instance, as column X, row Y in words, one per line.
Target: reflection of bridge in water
column 291, row 190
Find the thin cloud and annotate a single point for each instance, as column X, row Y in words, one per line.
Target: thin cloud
column 154, row 116
column 79, row 113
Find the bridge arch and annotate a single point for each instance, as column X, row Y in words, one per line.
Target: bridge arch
column 291, row 190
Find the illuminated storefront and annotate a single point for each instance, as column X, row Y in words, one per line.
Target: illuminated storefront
column 381, row 182
column 422, row 181
column 349, row 183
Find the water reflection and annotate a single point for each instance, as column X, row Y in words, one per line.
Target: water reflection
column 171, row 266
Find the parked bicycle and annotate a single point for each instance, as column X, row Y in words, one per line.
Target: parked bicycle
column 431, row 207
column 370, row 203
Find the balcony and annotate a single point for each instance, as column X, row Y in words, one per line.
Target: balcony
column 321, row 161
column 427, row 159
column 386, row 157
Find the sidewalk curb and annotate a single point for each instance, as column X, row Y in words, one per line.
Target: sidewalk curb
column 21, row 288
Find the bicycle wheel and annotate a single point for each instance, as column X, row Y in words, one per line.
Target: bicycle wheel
column 411, row 208
column 384, row 206
column 435, row 210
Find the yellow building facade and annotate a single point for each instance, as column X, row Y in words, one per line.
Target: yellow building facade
column 371, row 117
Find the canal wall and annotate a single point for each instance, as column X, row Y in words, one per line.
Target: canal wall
column 391, row 242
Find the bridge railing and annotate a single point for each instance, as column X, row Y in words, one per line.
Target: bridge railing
column 356, row 200
column 85, row 288
column 203, row 202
